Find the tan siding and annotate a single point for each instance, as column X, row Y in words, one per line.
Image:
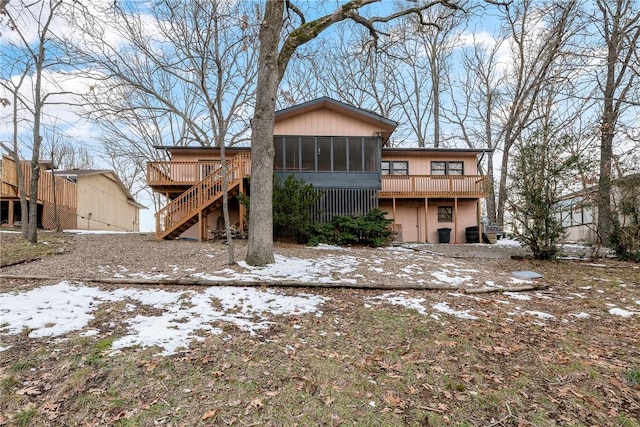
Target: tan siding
column 420, row 164
column 324, row 122
column 100, row 196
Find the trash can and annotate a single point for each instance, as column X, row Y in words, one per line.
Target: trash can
column 444, row 235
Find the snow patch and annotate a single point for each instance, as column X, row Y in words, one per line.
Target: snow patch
column 620, row 312
column 443, row 307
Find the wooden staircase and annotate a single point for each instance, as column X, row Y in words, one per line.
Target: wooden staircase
column 202, row 198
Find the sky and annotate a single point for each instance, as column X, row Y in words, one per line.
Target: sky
column 60, row 309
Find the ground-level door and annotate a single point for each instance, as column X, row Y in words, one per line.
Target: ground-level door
column 420, row 220
column 409, row 219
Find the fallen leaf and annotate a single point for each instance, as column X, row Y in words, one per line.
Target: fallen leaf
column 394, row 400
column 151, row 365
column 255, row 404
column 29, row 391
column 210, row 414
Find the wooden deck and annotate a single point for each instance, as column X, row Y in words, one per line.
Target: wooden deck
column 171, row 176
column 444, row 186
column 66, row 194
column 177, row 174
column 190, row 207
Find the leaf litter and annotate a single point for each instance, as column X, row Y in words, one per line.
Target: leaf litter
column 258, row 356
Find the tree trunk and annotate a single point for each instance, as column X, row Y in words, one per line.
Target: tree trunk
column 225, row 202
column 260, row 245
column 491, row 198
column 435, row 91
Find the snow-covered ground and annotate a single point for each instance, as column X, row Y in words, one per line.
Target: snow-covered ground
column 180, row 317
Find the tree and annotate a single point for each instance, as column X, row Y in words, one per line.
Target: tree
column 40, row 51
column 541, row 167
column 13, row 150
column 619, row 25
column 273, row 60
column 475, row 116
column 538, row 39
column 184, row 72
column 436, row 44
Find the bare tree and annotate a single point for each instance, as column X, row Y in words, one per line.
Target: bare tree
column 351, row 69
column 435, row 44
column 64, row 152
column 538, row 38
column 14, row 89
column 479, row 89
column 619, row 25
column 283, row 30
column 187, row 66
column 40, row 51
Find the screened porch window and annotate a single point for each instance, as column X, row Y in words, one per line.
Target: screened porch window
column 308, row 147
column 355, row 154
column 326, row 154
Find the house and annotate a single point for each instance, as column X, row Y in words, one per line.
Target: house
column 341, row 150
column 578, row 210
column 80, row 198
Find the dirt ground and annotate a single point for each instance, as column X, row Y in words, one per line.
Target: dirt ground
column 88, row 254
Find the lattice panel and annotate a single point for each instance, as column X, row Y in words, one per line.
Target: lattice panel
column 66, row 216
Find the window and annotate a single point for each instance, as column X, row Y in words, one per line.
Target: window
column 371, row 154
column 396, row 167
column 355, row 154
column 278, row 145
column 339, row 154
column 308, row 153
column 445, row 214
column 292, row 159
column 447, row 168
column 324, row 153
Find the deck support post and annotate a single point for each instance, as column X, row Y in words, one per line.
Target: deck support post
column 11, row 212
column 393, row 214
column 201, row 226
column 479, row 219
column 455, row 220
column 426, row 220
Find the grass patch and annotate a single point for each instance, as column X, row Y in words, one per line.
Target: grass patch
column 23, row 418
column 633, row 376
column 14, row 250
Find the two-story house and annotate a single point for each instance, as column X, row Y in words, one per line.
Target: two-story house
column 341, row 150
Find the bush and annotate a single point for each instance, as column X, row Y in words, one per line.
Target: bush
column 293, row 204
column 371, row 229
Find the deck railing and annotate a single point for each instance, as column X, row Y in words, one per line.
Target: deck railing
column 434, row 186
column 187, row 173
column 66, row 193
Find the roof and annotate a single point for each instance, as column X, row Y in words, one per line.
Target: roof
column 387, row 125
column 114, row 176
column 78, row 172
column 432, row 150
